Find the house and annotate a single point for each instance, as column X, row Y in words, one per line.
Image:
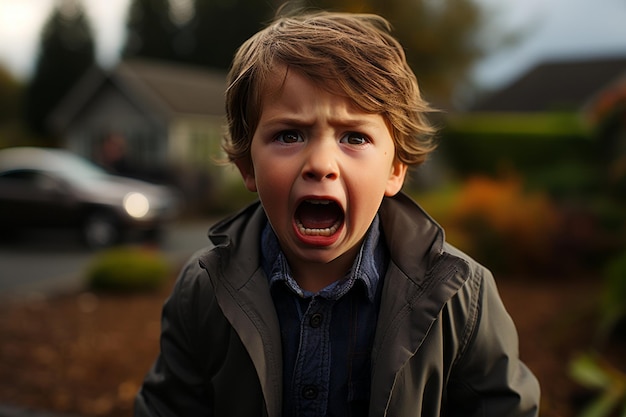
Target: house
column 560, row 109
column 166, row 120
column 556, row 85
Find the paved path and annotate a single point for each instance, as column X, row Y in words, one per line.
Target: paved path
column 51, row 262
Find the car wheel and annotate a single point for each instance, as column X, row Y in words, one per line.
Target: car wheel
column 100, row 230
column 8, row 235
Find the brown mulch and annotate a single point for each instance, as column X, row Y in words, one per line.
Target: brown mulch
column 86, row 354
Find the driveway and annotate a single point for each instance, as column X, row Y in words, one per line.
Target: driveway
column 50, row 262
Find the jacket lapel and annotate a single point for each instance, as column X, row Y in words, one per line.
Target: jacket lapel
column 420, row 279
column 241, row 286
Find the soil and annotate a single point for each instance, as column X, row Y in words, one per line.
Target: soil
column 86, row 354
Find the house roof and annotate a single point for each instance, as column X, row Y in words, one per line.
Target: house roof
column 175, row 88
column 556, row 85
column 160, row 88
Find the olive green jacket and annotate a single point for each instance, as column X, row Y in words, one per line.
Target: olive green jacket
column 444, row 344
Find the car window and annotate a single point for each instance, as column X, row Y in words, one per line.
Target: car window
column 31, row 179
column 62, row 165
column 19, row 175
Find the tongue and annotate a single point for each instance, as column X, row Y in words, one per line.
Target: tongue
column 318, row 216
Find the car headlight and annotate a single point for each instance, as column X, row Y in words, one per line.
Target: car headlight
column 136, row 205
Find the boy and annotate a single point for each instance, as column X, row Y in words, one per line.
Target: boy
column 335, row 294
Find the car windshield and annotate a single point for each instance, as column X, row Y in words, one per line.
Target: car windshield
column 78, row 169
column 77, row 166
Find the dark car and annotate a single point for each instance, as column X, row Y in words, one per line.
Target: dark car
column 53, row 188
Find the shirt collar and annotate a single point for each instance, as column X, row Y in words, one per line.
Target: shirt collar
column 369, row 263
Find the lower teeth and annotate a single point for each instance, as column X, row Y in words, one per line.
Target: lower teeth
column 329, row 231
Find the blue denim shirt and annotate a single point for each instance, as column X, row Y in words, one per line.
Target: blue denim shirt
column 327, row 337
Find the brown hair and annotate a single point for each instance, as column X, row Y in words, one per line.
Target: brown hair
column 355, row 53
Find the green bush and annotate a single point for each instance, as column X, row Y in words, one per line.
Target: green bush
column 613, row 309
column 128, row 269
column 487, row 143
column 573, row 180
column 594, row 370
column 605, row 380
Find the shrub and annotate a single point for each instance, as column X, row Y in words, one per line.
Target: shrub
column 573, row 180
column 512, row 226
column 487, row 142
column 506, row 226
column 601, row 372
column 128, row 269
column 605, row 380
column 612, row 307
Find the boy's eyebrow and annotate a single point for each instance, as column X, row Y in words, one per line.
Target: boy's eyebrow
column 360, row 122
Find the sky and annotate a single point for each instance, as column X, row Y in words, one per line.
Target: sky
column 21, row 22
column 552, row 28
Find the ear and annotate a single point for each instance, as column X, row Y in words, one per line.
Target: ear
column 396, row 178
column 247, row 173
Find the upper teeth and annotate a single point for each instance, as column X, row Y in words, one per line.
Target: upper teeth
column 318, row 201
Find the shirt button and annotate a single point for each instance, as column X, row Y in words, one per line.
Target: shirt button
column 309, row 392
column 316, row 320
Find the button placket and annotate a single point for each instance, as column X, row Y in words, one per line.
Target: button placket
column 312, row 370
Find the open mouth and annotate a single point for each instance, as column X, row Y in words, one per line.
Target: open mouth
column 319, row 217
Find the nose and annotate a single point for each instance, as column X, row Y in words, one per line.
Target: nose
column 321, row 161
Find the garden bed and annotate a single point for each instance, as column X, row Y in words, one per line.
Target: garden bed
column 86, row 354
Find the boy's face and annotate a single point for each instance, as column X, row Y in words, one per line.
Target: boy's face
column 321, row 167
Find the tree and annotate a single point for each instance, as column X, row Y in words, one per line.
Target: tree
column 439, row 36
column 220, row 27
column 11, row 132
column 10, row 91
column 151, row 30
column 66, row 52
column 199, row 32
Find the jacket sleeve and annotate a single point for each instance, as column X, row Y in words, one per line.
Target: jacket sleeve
column 174, row 385
column 488, row 377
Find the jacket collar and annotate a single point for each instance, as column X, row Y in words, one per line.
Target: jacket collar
column 413, row 237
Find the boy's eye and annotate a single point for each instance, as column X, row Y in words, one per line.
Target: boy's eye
column 355, row 138
column 289, row 136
